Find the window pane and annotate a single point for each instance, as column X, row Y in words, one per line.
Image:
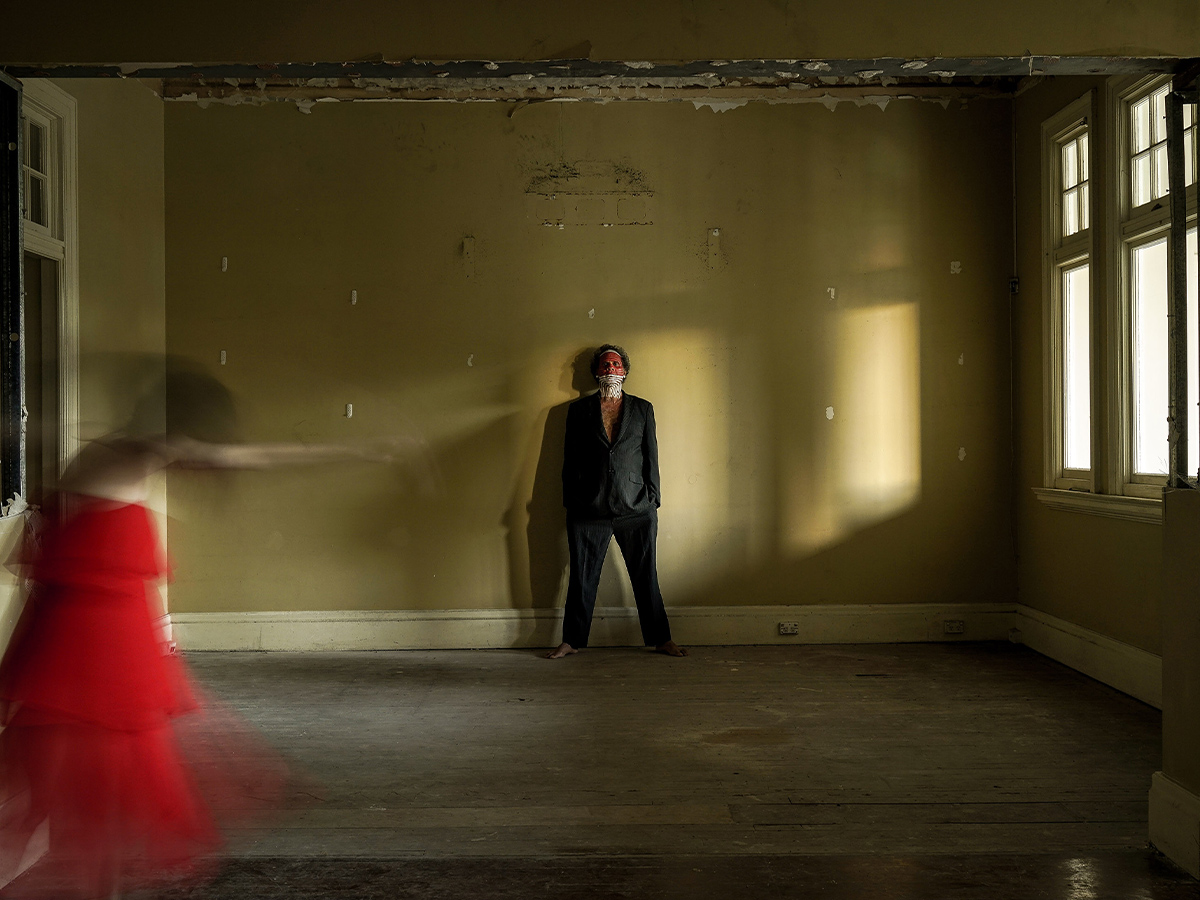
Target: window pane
column 1189, row 155
column 1070, row 212
column 1083, row 157
column 1141, row 179
column 1161, row 185
column 1077, row 387
column 1140, row 113
column 35, row 148
column 1070, row 161
column 1149, row 277
column 35, row 201
column 1158, row 114
column 1085, row 218
column 1193, row 332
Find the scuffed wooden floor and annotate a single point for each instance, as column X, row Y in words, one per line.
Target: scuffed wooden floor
column 987, row 757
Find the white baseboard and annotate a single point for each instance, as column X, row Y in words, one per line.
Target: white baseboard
column 1119, row 665
column 611, row 627
column 1175, row 822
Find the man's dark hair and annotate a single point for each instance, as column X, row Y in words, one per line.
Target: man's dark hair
column 609, row 348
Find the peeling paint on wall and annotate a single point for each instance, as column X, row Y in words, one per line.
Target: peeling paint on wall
column 719, row 105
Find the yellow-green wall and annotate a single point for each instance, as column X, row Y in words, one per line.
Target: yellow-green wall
column 1102, row 573
column 738, row 343
column 122, row 256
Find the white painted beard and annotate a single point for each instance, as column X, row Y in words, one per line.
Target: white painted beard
column 610, row 386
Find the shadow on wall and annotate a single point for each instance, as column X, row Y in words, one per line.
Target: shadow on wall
column 536, row 529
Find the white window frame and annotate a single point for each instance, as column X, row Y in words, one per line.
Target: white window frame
column 52, row 125
column 1130, row 227
column 1058, row 255
column 47, row 103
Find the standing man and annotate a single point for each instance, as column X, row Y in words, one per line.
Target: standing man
column 610, row 488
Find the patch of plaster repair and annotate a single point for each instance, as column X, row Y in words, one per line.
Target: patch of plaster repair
column 955, row 267
column 719, row 105
column 816, row 65
column 960, row 358
column 586, row 177
column 914, row 65
column 639, row 64
column 962, row 453
column 592, row 313
column 471, row 361
column 832, row 293
column 829, row 412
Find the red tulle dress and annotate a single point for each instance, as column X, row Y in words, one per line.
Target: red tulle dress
column 107, row 785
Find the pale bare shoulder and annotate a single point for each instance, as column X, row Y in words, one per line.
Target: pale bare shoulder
column 116, row 468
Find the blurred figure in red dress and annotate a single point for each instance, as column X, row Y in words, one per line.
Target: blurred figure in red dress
column 102, row 790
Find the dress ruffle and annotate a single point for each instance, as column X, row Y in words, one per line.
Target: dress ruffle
column 115, row 769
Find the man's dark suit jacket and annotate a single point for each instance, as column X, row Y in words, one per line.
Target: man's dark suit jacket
column 603, row 480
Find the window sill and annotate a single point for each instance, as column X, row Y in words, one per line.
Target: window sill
column 1115, row 506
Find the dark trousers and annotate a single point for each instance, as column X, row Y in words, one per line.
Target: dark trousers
column 588, row 540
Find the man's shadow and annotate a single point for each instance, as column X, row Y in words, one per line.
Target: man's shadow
column 546, row 529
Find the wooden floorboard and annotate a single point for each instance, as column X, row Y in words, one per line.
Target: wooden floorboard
column 881, row 749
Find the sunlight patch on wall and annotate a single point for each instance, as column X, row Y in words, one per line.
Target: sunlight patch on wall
column 686, row 375
column 866, row 465
column 879, row 391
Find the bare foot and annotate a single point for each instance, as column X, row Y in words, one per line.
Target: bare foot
column 670, row 648
column 560, row 651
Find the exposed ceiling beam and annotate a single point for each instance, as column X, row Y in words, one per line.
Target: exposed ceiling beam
column 594, row 71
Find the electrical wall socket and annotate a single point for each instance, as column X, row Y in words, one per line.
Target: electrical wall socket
column 953, row 626
column 789, row 627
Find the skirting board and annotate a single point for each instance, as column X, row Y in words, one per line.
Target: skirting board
column 611, row 627
column 1119, row 665
column 1175, row 822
